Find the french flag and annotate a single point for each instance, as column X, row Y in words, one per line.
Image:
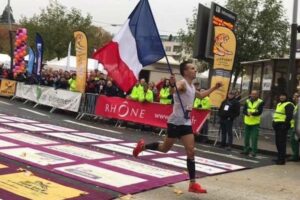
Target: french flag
column 137, row 44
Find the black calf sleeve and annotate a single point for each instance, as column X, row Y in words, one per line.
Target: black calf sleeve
column 152, row 146
column 191, row 168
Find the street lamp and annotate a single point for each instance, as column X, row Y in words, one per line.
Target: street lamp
column 293, row 47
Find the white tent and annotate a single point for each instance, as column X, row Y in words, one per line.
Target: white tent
column 5, row 59
column 62, row 64
column 203, row 74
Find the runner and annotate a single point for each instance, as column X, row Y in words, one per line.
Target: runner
column 179, row 123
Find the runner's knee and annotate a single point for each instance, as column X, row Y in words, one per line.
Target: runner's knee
column 190, row 152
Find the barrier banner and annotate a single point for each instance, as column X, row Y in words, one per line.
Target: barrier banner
column 61, row 99
column 8, row 88
column 153, row 114
column 26, row 91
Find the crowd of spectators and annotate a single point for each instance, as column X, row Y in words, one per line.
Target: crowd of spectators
column 98, row 83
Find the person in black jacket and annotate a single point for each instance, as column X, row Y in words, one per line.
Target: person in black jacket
column 228, row 111
column 281, row 123
column 110, row 90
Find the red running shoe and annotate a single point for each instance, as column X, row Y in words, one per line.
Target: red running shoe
column 139, row 148
column 196, row 188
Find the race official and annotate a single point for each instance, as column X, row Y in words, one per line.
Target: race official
column 252, row 111
column 281, row 123
column 292, row 132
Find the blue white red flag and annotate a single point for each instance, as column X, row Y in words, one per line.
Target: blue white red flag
column 137, row 44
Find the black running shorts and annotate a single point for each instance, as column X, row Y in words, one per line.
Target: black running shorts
column 177, row 131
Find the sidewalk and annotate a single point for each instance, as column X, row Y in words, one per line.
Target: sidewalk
column 264, row 183
column 266, row 141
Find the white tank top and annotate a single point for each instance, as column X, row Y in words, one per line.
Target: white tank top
column 187, row 98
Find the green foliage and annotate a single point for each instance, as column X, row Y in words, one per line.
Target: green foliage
column 187, row 37
column 56, row 25
column 261, row 30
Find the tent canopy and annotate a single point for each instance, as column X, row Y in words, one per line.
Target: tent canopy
column 62, row 64
column 5, row 59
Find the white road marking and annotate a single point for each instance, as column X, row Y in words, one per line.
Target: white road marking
column 5, row 103
column 35, row 112
column 94, row 127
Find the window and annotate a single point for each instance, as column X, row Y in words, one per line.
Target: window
column 267, row 84
column 168, row 48
column 177, row 48
column 256, row 84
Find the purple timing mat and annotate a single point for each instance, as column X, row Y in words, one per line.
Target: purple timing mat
column 148, row 183
column 143, row 182
column 91, row 194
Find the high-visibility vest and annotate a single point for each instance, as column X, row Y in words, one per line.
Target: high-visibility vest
column 203, row 103
column 148, row 96
column 72, row 84
column 252, row 107
column 163, row 96
column 280, row 115
column 293, row 120
column 136, row 90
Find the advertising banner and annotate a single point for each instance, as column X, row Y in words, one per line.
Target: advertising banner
column 81, row 60
column 61, row 99
column 224, row 48
column 26, row 91
column 39, row 54
column 153, row 114
column 224, row 52
column 219, row 95
column 8, row 88
column 35, row 188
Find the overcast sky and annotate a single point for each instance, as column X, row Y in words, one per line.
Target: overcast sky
column 170, row 15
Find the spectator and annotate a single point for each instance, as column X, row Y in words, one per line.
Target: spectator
column 72, row 83
column 153, row 88
column 110, row 90
column 91, row 85
column 101, row 84
column 202, row 103
column 165, row 93
column 138, row 88
column 228, row 111
column 146, row 95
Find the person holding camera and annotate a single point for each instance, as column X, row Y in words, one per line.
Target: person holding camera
column 228, row 111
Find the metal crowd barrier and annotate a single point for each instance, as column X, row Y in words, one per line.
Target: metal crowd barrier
column 214, row 130
column 88, row 105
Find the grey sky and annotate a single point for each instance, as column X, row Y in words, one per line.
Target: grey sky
column 170, row 15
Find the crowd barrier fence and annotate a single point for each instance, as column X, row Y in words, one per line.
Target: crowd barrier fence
column 48, row 96
column 86, row 104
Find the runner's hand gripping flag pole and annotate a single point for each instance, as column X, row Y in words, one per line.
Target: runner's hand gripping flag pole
column 137, row 44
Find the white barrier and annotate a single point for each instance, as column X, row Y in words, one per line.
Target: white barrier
column 43, row 95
